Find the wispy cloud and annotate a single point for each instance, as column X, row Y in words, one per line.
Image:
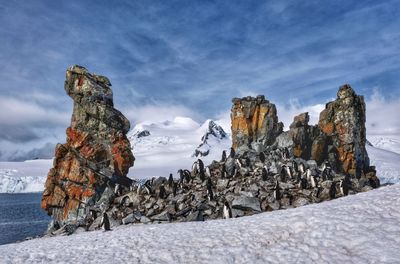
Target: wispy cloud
column 195, row 56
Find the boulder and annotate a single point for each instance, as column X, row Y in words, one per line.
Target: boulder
column 246, row 203
column 97, row 154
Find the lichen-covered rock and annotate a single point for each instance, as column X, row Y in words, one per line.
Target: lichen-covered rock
column 96, row 156
column 254, row 123
column 343, row 120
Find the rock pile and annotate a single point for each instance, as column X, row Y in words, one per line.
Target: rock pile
column 97, row 155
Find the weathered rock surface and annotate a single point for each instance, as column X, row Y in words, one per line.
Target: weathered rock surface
column 254, row 123
column 96, row 156
column 343, row 120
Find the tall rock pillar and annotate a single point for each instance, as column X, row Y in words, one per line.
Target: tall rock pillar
column 96, row 156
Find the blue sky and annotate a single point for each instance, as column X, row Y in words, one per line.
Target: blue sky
column 189, row 57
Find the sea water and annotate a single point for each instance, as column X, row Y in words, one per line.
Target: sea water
column 21, row 217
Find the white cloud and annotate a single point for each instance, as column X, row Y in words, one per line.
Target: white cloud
column 158, row 113
column 15, row 112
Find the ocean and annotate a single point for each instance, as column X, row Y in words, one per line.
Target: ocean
column 21, row 217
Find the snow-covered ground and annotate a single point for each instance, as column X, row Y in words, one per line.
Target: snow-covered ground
column 386, row 142
column 170, row 146
column 362, row 228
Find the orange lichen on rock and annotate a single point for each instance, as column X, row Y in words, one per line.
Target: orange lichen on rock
column 87, row 164
column 254, row 122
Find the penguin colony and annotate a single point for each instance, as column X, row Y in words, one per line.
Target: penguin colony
column 235, row 186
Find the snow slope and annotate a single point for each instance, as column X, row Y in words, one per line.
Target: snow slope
column 386, row 142
column 362, row 228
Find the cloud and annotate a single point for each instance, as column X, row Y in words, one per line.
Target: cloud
column 382, row 115
column 17, row 112
column 159, row 112
column 167, row 58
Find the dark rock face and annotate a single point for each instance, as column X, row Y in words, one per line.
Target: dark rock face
column 97, row 154
column 254, row 123
column 343, row 121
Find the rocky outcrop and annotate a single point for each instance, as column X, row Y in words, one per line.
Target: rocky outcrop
column 338, row 138
column 96, row 156
column 254, row 123
column 343, row 121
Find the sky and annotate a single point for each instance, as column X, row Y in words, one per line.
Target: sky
column 190, row 58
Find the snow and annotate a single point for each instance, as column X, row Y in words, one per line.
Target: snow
column 362, row 228
column 170, row 147
column 386, row 142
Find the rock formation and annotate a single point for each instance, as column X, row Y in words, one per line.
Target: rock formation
column 343, row 121
column 339, row 137
column 254, row 123
column 96, row 156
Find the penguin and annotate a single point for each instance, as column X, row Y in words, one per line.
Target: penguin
column 181, row 177
column 117, row 190
column 105, row 222
column 261, row 156
column 162, row 193
column 186, row 174
column 238, row 162
column 313, row 181
column 170, row 180
column 210, row 193
column 174, row 188
column 303, row 184
column 288, row 172
column 195, row 168
column 223, row 172
column 208, row 172
column 223, row 158
column 344, row 188
column 264, row 174
column 227, row 212
column 295, row 167
column 147, row 186
column 301, row 168
column 277, row 192
column 232, row 153
column 248, row 162
column 332, row 190
column 201, row 170
column 283, row 173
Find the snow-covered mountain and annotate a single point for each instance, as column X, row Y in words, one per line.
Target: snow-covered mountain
column 167, row 146
column 164, row 147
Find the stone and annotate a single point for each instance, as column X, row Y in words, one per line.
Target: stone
column 195, row 216
column 237, row 213
column 254, row 123
column 246, row 203
column 301, row 201
column 128, row 219
column 144, row 220
column 97, row 153
column 164, row 216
